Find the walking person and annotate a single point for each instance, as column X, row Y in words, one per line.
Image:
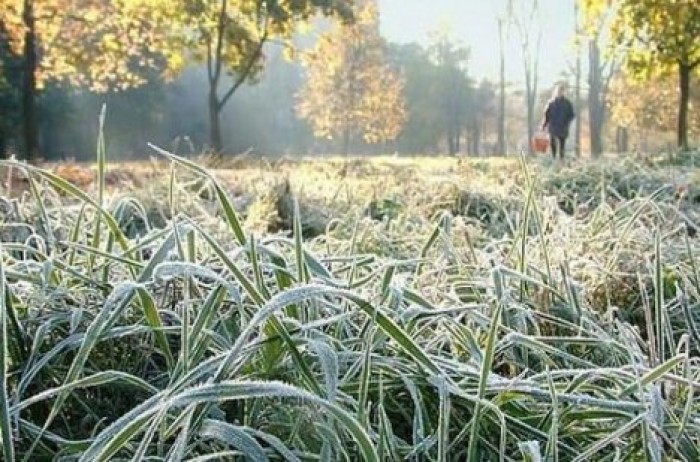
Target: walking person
column 558, row 115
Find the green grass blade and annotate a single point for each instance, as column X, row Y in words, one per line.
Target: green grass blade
column 653, row 375
column 5, row 422
column 101, row 157
column 244, row 390
column 254, row 258
column 119, row 299
column 552, row 449
column 118, row 434
column 444, row 423
column 365, row 373
column 205, row 317
column 298, row 294
column 45, row 222
column 594, row 449
column 95, row 380
column 177, row 450
column 440, row 227
column 303, row 274
column 152, row 315
column 275, row 443
column 236, row 437
column 65, row 186
column 230, row 214
column 486, row 365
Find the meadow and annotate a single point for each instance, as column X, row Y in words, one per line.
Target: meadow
column 420, row 309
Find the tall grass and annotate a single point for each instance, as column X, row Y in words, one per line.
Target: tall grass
column 416, row 336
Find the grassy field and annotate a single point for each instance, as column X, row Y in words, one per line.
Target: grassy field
column 422, row 309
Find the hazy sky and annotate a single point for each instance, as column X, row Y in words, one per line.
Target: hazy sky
column 474, row 22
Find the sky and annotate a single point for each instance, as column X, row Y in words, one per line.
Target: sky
column 474, row 23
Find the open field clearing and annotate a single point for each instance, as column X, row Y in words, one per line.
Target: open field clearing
column 424, row 309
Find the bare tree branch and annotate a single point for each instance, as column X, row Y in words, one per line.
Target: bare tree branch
column 220, row 30
column 242, row 76
column 210, row 70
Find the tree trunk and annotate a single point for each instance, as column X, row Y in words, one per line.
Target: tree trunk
column 501, row 146
column 458, row 125
column 577, row 96
column 450, row 143
column 476, row 139
column 596, row 128
column 531, row 97
column 530, row 117
column 596, row 99
column 622, row 140
column 596, row 121
column 684, row 71
column 29, row 115
column 346, row 142
column 214, row 122
column 458, row 140
column 452, row 105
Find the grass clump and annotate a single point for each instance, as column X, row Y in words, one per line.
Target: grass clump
column 413, row 329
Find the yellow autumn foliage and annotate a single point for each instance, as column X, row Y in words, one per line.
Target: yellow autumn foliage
column 351, row 92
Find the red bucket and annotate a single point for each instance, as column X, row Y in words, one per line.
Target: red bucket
column 540, row 142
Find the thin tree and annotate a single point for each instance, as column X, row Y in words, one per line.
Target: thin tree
column 600, row 73
column 501, row 144
column 577, row 90
column 524, row 15
column 597, row 23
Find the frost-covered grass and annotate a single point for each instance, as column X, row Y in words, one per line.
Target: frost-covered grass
column 425, row 309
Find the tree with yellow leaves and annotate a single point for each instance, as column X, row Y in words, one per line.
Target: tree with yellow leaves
column 351, row 93
column 660, row 37
column 105, row 45
column 97, row 44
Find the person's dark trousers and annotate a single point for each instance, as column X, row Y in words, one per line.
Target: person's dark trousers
column 557, row 144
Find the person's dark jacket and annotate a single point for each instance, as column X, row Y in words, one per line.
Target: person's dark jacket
column 558, row 116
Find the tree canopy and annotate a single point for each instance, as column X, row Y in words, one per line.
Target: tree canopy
column 91, row 43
